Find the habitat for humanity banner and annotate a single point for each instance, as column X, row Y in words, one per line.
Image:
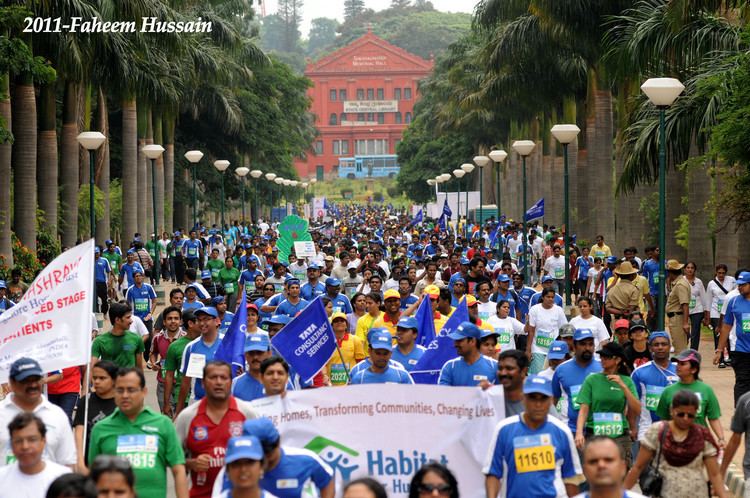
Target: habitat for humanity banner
column 388, row 431
column 52, row 322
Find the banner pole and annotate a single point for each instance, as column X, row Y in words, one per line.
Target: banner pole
column 87, row 378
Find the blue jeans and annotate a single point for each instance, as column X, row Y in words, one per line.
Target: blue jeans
column 66, row 401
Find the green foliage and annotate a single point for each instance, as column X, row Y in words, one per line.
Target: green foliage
column 322, row 35
column 84, row 226
column 353, row 9
column 23, row 259
column 649, row 207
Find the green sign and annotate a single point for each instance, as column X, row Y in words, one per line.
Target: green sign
column 292, row 229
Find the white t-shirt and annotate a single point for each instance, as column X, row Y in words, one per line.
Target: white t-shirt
column 733, row 330
column 555, row 267
column 595, row 324
column 592, row 274
column 60, row 447
column 716, row 297
column 30, row 486
column 506, row 330
column 138, row 326
column 487, row 310
column 513, row 243
column 547, row 323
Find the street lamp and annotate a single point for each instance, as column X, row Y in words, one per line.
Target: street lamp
column 242, row 173
column 270, row 177
column 91, row 140
column 459, row 173
column 481, row 161
column 153, row 151
column 662, row 92
column 221, row 165
column 194, row 156
column 256, row 173
column 468, row 168
column 524, row 148
column 498, row 156
column 565, row 134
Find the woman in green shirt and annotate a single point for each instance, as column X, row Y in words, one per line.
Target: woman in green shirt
column 229, row 277
column 608, row 401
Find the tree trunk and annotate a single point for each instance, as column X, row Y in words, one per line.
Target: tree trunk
column 47, row 158
column 159, row 164
column 699, row 236
column 169, row 173
column 24, row 161
column 103, row 226
column 129, row 170
column 143, row 193
column 148, row 192
column 601, row 165
column 6, row 150
column 69, row 169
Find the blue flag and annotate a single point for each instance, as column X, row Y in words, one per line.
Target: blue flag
column 425, row 322
column 442, row 224
column 232, row 346
column 536, row 211
column 307, row 342
column 447, row 209
column 418, row 218
column 494, row 234
column 441, row 349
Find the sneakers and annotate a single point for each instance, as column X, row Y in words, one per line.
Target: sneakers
column 722, row 365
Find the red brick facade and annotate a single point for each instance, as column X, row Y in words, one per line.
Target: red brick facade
column 369, row 75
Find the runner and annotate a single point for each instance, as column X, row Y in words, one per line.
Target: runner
column 379, row 371
column 248, row 386
column 119, row 345
column 544, row 321
column 197, row 354
column 471, row 368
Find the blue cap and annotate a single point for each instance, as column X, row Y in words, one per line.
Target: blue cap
column 97, row 250
column 537, row 384
column 464, row 330
column 24, row 368
column 262, row 428
column 558, row 350
column 659, row 333
column 313, row 266
column 381, row 339
column 581, row 334
column 243, row 447
column 3, row 285
column 547, row 278
column 131, row 251
column 205, row 274
column 488, row 333
column 464, row 261
column 291, row 281
column 743, row 278
column 178, row 233
column 108, row 242
column 137, row 271
column 612, row 260
column 278, row 319
column 418, row 247
column 408, row 322
column 503, row 277
column 333, row 282
column 258, row 341
column 217, row 300
column 207, row 310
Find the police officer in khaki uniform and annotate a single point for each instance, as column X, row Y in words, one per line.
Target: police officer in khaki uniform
column 677, row 308
column 624, row 297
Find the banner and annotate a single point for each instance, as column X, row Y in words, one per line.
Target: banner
column 369, row 430
column 536, row 211
column 319, row 210
column 358, row 106
column 232, row 347
column 53, row 321
column 291, row 229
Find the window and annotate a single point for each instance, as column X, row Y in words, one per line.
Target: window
column 407, row 93
column 407, row 118
column 360, row 94
column 397, row 94
column 342, row 94
column 336, row 147
column 370, row 117
column 370, row 147
column 360, row 116
column 370, row 94
column 319, row 172
column 332, row 95
column 319, row 147
column 381, row 94
column 342, row 118
column 381, row 118
column 333, row 120
column 345, row 147
column 398, row 118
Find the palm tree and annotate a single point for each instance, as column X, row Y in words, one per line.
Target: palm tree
column 69, row 165
column 23, row 107
column 102, row 171
column 47, row 150
column 6, row 249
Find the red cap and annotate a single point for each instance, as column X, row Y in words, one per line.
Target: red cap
column 251, row 306
column 622, row 323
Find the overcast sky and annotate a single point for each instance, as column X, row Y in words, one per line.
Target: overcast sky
column 335, row 8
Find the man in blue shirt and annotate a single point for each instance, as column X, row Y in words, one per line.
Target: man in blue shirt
column 312, row 288
column 569, row 376
column 248, row 386
column 737, row 315
column 379, row 371
column 530, row 449
column 192, row 250
column 407, row 352
column 504, row 293
column 247, row 277
column 142, row 298
column 102, row 271
column 524, row 294
column 293, row 304
column 197, row 353
column 651, row 378
column 341, row 303
column 471, row 368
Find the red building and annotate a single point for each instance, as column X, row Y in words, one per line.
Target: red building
column 363, row 98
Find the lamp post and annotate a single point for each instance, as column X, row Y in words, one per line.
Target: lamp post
column 498, row 156
column 270, row 177
column 481, row 161
column 221, row 165
column 256, row 174
column 459, row 173
column 194, row 156
column 242, row 173
column 153, row 151
column 662, row 92
column 91, row 140
column 565, row 134
column 313, row 181
column 468, row 168
column 279, row 181
column 524, row 148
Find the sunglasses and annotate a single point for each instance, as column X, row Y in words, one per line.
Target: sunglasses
column 431, row 488
column 685, row 415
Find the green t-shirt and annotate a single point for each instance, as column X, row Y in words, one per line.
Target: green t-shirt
column 121, row 349
column 173, row 360
column 150, row 248
column 229, row 278
column 150, row 444
column 114, row 260
column 606, row 403
column 709, row 404
column 215, row 265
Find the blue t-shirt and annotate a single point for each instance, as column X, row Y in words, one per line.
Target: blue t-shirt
column 262, row 315
column 289, row 309
column 408, row 301
column 198, row 347
column 584, row 265
column 737, row 313
column 529, row 459
column 509, row 296
column 569, row 377
column 365, row 364
column 247, row 278
column 538, row 297
column 191, row 248
column 101, row 269
column 187, row 305
column 310, row 292
column 389, row 376
column 457, row 372
column 431, row 249
column 651, row 272
column 247, row 387
column 127, row 271
column 140, row 298
column 225, row 322
column 341, row 304
column 650, row 380
column 408, row 361
column 524, row 296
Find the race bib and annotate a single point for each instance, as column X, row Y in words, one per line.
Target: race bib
column 338, row 309
column 656, row 278
column 192, row 252
column 484, row 315
column 503, row 336
column 278, row 287
column 215, row 273
column 249, row 288
column 338, row 374
column 719, row 305
column 139, row 449
column 608, row 424
column 653, row 393
column 544, row 339
column 533, row 453
column 141, row 305
column 195, row 366
column 574, row 390
column 229, row 287
column 692, row 303
column 745, row 327
column 559, row 273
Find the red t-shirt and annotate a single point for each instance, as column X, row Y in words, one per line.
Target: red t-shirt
column 70, row 383
column 205, row 437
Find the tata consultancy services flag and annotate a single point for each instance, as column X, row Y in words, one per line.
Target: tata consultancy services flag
column 425, row 322
column 232, row 347
column 440, row 350
column 307, row 342
column 52, row 322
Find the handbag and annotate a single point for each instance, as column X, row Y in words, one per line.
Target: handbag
column 651, row 480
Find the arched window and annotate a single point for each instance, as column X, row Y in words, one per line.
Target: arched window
column 333, row 119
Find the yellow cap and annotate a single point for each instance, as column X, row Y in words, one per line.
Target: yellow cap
column 470, row 300
column 432, row 290
column 391, row 293
column 338, row 314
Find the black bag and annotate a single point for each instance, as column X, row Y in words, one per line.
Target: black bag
column 651, row 480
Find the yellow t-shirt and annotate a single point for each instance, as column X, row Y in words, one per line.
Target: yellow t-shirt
column 641, row 283
column 353, row 351
column 364, row 324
